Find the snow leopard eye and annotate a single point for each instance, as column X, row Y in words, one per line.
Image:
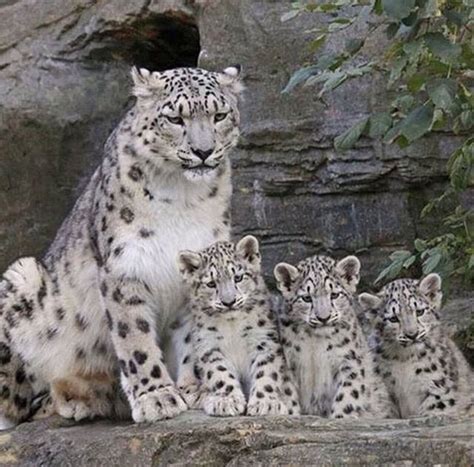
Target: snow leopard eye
column 420, row 312
column 393, row 319
column 238, row 278
column 306, row 298
column 219, row 117
column 175, row 120
column 211, row 284
column 335, row 295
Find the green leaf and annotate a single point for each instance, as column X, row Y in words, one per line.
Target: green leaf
column 398, row 9
column 442, row 47
column 350, row 136
column 420, row 245
column 299, row 76
column 379, row 124
column 397, row 69
column 471, row 262
column 289, row 15
column 443, row 94
column 392, row 29
column 378, row 9
column 316, row 43
column 400, row 255
column 409, row 262
column 335, row 79
column 431, row 263
column 417, row 123
column 404, row 103
column 353, row 45
column 416, row 82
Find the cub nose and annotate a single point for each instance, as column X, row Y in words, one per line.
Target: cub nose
column 203, row 155
column 412, row 335
column 229, row 303
column 323, row 320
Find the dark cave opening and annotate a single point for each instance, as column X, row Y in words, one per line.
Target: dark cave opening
column 156, row 42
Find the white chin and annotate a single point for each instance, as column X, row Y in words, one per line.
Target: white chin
column 200, row 174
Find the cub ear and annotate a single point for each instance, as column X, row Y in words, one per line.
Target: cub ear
column 285, row 275
column 231, row 78
column 368, row 301
column 145, row 83
column 430, row 287
column 188, row 262
column 248, row 249
column 348, row 269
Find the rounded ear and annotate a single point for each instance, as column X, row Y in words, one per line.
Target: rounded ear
column 248, row 249
column 188, row 262
column 368, row 301
column 348, row 269
column 145, row 83
column 430, row 287
column 285, row 275
column 231, row 78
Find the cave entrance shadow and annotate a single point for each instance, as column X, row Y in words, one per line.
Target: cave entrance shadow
column 156, row 42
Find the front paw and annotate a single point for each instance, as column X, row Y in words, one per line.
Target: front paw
column 267, row 406
column 192, row 394
column 224, row 406
column 158, row 405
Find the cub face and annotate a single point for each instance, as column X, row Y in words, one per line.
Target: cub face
column 406, row 310
column 318, row 291
column 223, row 276
column 187, row 118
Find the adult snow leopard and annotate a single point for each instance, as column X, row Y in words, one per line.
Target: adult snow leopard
column 107, row 294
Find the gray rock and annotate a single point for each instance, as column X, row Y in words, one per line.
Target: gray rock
column 195, row 439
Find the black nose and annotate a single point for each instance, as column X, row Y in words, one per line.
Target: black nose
column 229, row 303
column 323, row 320
column 203, row 155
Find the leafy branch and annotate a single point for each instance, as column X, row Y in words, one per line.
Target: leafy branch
column 428, row 65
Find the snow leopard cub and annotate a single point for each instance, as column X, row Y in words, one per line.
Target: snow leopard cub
column 425, row 372
column 323, row 341
column 235, row 334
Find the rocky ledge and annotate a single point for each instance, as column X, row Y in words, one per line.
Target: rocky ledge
column 195, row 439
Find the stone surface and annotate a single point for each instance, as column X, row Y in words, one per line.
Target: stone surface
column 195, row 439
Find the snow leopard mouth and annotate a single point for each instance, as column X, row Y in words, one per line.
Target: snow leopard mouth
column 201, row 169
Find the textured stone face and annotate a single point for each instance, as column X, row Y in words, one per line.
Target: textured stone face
column 64, row 84
column 196, row 439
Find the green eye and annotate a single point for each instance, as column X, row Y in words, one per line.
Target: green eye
column 211, row 284
column 175, row 120
column 219, row 117
column 238, row 278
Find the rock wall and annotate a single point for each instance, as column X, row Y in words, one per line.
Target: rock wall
column 64, row 84
column 194, row 439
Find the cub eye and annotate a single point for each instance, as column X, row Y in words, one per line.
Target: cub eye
column 219, row 117
column 211, row 284
column 393, row 319
column 420, row 312
column 335, row 295
column 175, row 120
column 238, row 278
column 306, row 298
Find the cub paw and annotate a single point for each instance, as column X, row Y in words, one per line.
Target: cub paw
column 224, row 406
column 158, row 405
column 267, row 406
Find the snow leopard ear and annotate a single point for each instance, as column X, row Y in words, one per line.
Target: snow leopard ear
column 231, row 78
column 368, row 301
column 146, row 83
column 188, row 263
column 430, row 287
column 348, row 270
column 286, row 276
column 247, row 248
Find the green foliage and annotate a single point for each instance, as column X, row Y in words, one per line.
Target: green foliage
column 427, row 66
